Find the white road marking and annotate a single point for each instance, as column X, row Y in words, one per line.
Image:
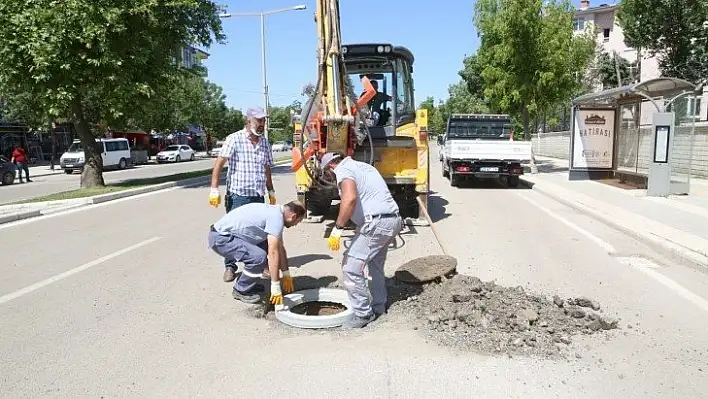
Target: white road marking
column 24, row 291
column 650, row 269
column 603, row 244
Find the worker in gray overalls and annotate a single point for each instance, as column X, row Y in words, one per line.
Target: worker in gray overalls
column 366, row 201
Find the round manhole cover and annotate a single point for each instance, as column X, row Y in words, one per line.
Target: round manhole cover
column 315, row 308
column 426, row 269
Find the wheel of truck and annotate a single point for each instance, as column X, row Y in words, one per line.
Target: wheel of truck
column 445, row 173
column 512, row 181
column 122, row 164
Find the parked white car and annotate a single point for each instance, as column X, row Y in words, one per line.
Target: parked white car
column 281, row 146
column 176, row 153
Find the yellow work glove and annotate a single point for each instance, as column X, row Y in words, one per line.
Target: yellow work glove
column 214, row 197
column 276, row 295
column 287, row 282
column 271, row 197
column 334, row 237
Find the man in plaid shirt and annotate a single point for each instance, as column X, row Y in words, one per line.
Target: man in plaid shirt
column 249, row 160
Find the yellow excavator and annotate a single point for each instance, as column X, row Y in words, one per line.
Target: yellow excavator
column 363, row 106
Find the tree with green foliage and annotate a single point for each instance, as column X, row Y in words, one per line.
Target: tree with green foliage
column 673, row 30
column 471, row 74
column 70, row 54
column 531, row 59
column 605, row 70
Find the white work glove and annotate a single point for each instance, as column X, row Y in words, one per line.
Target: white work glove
column 271, row 197
column 214, row 197
column 276, row 295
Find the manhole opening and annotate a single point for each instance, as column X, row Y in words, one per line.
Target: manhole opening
column 318, row 308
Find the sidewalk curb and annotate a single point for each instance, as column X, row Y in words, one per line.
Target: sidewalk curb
column 670, row 248
column 13, row 217
column 98, row 199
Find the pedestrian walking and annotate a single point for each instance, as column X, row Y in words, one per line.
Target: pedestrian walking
column 253, row 234
column 248, row 178
column 20, row 159
column 367, row 202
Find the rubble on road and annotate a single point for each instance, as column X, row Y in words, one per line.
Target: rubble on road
column 466, row 312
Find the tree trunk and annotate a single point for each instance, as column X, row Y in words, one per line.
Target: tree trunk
column 92, row 175
column 525, row 118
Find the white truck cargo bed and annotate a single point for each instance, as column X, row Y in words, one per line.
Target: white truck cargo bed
column 503, row 150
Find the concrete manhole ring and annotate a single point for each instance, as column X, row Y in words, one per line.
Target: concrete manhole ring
column 426, row 269
column 333, row 295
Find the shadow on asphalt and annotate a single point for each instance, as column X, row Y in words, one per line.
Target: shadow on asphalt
column 308, row 282
column 487, row 184
column 302, row 260
column 436, row 207
column 549, row 167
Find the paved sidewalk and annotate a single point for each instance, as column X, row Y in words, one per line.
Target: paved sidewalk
column 678, row 224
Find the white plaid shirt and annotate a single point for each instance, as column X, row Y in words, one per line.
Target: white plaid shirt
column 247, row 164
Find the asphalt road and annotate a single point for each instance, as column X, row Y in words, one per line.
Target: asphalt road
column 124, row 299
column 45, row 185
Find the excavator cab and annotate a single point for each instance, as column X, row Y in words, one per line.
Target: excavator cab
column 383, row 65
column 388, row 132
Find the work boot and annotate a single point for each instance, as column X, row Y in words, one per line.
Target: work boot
column 358, row 321
column 229, row 274
column 251, row 299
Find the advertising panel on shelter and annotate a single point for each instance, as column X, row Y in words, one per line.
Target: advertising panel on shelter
column 593, row 138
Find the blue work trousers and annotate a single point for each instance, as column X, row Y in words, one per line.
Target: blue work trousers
column 233, row 201
column 253, row 257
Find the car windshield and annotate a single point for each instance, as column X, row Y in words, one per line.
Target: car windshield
column 172, row 148
column 476, row 129
column 76, row 147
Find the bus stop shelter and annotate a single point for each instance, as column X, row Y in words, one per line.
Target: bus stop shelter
column 611, row 137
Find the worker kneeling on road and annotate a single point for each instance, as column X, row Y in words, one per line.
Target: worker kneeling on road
column 366, row 201
column 253, row 234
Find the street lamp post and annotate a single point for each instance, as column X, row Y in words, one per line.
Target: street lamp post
column 262, row 15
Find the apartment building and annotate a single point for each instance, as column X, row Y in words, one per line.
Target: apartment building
column 611, row 39
column 190, row 57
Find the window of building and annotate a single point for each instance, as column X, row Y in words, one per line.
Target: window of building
column 693, row 107
column 606, row 34
column 578, row 23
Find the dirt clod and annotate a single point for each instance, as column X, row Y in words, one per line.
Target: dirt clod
column 467, row 313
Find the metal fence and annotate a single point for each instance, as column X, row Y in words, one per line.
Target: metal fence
column 634, row 144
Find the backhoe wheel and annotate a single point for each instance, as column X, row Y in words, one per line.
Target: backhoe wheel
column 512, row 181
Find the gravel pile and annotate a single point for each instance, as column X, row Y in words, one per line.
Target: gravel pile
column 466, row 312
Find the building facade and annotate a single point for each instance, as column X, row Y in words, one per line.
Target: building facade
column 611, row 39
column 191, row 57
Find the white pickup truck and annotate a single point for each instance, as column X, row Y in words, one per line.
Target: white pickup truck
column 481, row 146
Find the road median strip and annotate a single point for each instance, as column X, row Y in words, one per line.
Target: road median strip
column 673, row 242
column 52, row 203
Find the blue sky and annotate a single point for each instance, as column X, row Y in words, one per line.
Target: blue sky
column 439, row 33
column 439, row 37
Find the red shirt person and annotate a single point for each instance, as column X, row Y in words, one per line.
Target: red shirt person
column 19, row 158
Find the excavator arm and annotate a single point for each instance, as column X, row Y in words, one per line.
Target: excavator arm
column 329, row 123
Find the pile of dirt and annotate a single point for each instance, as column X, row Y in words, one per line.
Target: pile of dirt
column 466, row 312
